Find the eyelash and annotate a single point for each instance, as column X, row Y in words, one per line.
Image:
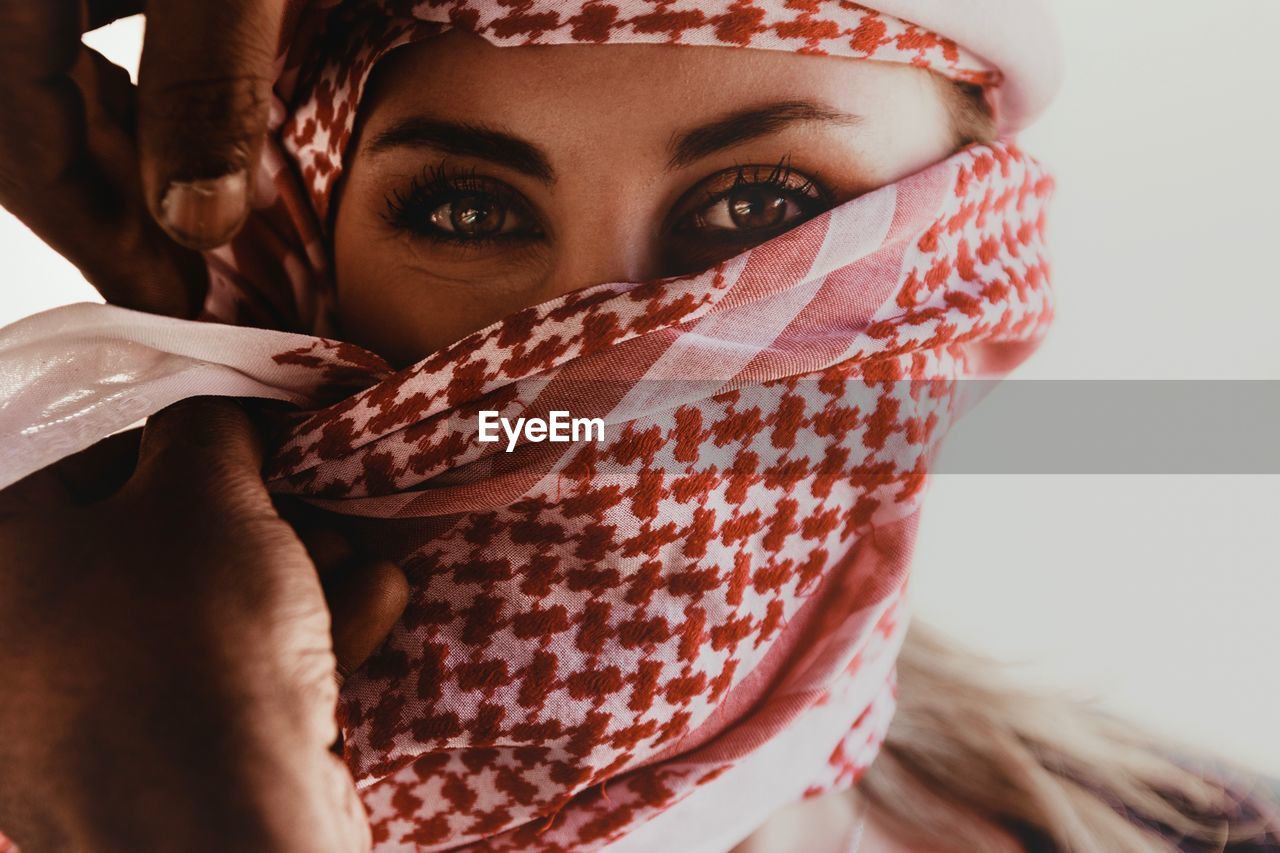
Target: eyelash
column 408, row 209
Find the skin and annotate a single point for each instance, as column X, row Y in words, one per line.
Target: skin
column 126, row 182
column 168, row 646
column 606, row 212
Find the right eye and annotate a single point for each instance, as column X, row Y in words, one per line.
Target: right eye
column 472, row 216
column 736, row 209
column 461, row 208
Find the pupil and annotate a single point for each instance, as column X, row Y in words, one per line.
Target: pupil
column 756, row 207
column 476, row 215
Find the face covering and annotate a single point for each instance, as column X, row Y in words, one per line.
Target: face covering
column 654, row 639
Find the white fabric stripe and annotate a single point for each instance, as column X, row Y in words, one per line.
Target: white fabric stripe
column 856, row 230
column 701, row 362
column 722, row 344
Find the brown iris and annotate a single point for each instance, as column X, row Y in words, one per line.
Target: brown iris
column 757, row 207
column 476, row 215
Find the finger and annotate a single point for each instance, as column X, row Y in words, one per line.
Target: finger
column 110, row 96
column 204, row 95
column 41, row 112
column 133, row 262
column 43, row 118
column 364, row 606
column 99, row 471
column 40, row 492
column 350, row 830
column 38, row 40
column 69, row 168
column 330, row 550
column 206, row 450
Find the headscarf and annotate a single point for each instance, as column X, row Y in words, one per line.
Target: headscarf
column 651, row 641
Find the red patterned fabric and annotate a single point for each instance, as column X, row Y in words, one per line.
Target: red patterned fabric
column 650, row 641
column 700, row 612
column 642, row 612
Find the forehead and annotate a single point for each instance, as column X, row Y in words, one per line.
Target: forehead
column 637, row 88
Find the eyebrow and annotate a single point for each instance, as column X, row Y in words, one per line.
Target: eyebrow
column 686, row 147
column 473, row 140
column 750, row 123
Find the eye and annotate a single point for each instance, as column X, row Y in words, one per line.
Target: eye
column 475, row 215
column 733, row 210
column 461, row 208
column 751, row 198
column 751, row 208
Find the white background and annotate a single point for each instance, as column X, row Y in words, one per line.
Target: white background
column 1157, row 595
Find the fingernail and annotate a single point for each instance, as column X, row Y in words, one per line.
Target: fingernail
column 205, row 213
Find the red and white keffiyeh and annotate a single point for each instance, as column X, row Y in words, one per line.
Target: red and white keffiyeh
column 655, row 640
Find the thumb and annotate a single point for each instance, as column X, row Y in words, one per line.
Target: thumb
column 364, row 605
column 350, row 830
column 206, row 451
column 204, row 89
column 365, row 595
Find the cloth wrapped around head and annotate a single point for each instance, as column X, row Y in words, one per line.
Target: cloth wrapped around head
column 652, row 640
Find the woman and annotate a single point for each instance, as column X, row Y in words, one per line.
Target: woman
column 657, row 639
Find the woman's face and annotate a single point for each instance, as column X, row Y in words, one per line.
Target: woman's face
column 485, row 180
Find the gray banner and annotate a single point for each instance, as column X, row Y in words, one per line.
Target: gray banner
column 1007, row 427
column 1117, row 427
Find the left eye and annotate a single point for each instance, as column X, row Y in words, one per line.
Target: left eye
column 747, row 201
column 751, row 208
column 735, row 209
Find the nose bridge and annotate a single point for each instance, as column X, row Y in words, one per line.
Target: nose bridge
column 613, row 239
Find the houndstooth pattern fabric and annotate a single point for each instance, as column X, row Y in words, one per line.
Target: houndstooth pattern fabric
column 582, row 614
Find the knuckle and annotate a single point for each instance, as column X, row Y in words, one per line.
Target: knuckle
column 227, row 115
column 37, row 39
column 232, row 489
column 313, row 666
column 203, row 98
column 46, row 147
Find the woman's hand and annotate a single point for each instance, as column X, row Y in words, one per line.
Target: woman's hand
column 92, row 166
column 167, row 675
